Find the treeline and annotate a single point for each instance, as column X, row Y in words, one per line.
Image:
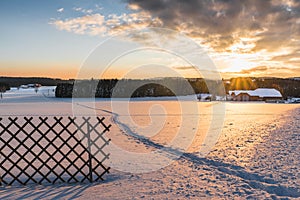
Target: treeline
column 4, row 87
column 17, row 81
column 172, row 86
column 106, row 88
column 132, row 88
column 289, row 87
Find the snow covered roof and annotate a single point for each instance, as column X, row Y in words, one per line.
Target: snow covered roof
column 260, row 92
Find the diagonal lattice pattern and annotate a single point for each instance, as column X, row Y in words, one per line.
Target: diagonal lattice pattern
column 49, row 150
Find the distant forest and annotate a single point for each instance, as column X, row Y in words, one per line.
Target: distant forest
column 162, row 87
column 17, row 81
column 125, row 87
column 4, row 87
column 289, row 87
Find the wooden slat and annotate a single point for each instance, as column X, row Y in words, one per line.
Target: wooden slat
column 38, row 169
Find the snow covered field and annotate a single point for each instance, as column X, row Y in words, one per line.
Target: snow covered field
column 257, row 154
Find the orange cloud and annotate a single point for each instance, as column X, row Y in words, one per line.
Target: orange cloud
column 236, row 27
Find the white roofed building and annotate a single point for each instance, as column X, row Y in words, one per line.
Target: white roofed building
column 260, row 94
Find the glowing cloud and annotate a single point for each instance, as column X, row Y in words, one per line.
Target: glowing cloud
column 240, row 28
column 60, row 10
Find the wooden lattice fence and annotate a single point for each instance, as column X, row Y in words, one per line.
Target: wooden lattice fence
column 49, row 150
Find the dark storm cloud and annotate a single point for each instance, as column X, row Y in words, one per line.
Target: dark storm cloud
column 221, row 23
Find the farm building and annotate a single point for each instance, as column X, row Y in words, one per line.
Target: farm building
column 260, row 94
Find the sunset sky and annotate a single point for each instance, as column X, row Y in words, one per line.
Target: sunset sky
column 52, row 38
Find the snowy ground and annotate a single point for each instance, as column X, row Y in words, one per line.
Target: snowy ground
column 257, row 155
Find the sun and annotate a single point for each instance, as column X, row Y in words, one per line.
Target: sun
column 238, row 63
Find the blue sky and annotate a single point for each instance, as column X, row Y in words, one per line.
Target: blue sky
column 30, row 45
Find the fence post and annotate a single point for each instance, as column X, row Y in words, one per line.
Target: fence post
column 89, row 150
column 36, row 141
